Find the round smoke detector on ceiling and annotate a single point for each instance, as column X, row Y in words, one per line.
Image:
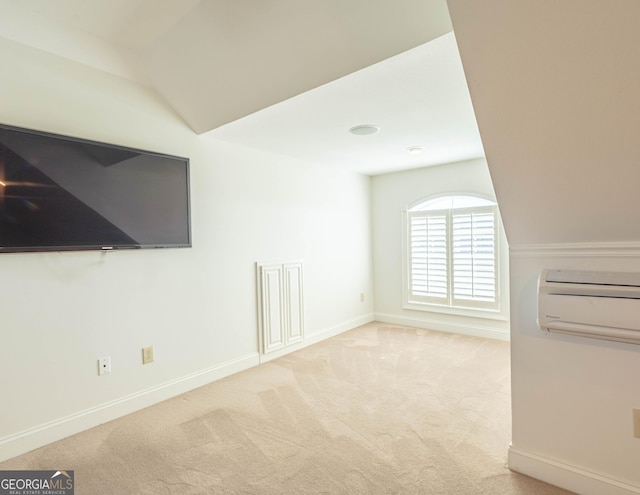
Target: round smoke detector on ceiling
column 364, row 130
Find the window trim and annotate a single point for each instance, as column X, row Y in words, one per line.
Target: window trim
column 500, row 310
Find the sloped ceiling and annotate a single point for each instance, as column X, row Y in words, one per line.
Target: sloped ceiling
column 252, row 54
column 556, row 91
column 287, row 76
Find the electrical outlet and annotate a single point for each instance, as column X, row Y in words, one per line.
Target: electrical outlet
column 636, row 423
column 147, row 355
column 104, row 365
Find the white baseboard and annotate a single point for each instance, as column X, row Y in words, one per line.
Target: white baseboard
column 430, row 323
column 33, row 438
column 24, row 441
column 565, row 476
column 318, row 337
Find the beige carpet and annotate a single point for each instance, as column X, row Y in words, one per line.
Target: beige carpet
column 376, row 410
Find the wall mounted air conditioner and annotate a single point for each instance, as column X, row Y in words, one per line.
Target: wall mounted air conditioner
column 601, row 305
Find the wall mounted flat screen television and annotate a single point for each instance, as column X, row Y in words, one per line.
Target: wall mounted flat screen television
column 60, row 193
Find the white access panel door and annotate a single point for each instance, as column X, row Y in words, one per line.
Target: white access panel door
column 293, row 303
column 272, row 310
column 280, row 300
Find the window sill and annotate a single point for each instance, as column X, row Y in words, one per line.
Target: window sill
column 455, row 311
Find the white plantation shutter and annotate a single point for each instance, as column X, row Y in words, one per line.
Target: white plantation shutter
column 429, row 264
column 452, row 256
column 473, row 234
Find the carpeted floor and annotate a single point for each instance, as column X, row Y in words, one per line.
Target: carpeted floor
column 377, row 410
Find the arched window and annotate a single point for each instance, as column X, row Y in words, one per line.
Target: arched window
column 452, row 254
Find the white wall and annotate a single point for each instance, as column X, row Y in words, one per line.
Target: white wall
column 391, row 193
column 572, row 397
column 556, row 91
column 197, row 306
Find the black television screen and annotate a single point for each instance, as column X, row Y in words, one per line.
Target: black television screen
column 60, row 193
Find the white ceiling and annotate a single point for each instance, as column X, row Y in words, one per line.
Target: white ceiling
column 406, row 78
column 417, row 98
